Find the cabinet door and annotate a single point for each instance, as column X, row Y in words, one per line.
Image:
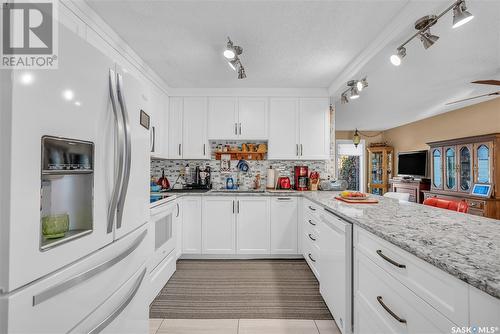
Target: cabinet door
column 194, row 129
column 253, row 118
column 176, row 104
column 283, row 129
column 450, row 168
column 483, row 162
column 178, row 226
column 314, row 123
column 191, row 225
column 223, row 118
column 437, row 168
column 284, row 225
column 465, row 168
column 218, row 225
column 157, row 129
column 253, row 225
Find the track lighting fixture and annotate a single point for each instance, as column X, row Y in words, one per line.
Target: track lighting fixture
column 398, row 57
column 232, row 53
column 354, row 87
column 460, row 15
column 423, row 25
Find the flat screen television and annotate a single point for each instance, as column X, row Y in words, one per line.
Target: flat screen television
column 412, row 164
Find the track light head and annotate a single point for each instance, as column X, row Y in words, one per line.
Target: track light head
column 241, row 72
column 354, row 93
column 460, row 15
column 344, row 99
column 428, row 39
column 232, row 51
column 397, row 58
column 233, row 64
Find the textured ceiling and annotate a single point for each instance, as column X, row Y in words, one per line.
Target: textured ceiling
column 286, row 43
column 428, row 79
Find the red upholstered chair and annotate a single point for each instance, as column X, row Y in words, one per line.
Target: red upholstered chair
column 459, row 206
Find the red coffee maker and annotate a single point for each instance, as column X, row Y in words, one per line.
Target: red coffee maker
column 300, row 177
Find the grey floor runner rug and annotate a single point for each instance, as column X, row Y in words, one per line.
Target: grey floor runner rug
column 241, row 289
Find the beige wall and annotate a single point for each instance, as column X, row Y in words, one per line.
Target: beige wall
column 478, row 119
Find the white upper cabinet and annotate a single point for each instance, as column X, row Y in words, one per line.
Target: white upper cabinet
column 194, row 129
column 238, row 118
column 223, row 118
column 283, row 128
column 314, row 124
column 158, row 129
column 252, row 118
column 176, row 105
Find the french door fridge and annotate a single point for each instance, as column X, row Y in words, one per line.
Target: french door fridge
column 73, row 147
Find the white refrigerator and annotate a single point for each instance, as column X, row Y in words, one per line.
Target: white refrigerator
column 72, row 145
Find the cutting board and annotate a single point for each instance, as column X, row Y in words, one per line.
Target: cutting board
column 357, row 201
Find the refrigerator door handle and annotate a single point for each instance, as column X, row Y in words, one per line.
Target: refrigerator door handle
column 119, row 157
column 112, row 316
column 83, row 277
column 128, row 158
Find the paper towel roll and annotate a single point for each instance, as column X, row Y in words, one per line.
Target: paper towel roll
column 270, row 179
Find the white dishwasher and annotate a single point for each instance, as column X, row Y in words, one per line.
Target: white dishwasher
column 335, row 268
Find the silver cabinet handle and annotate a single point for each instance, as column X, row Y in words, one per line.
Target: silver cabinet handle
column 381, row 302
column 391, row 261
column 297, row 149
column 240, row 129
column 310, row 222
column 284, row 198
column 236, row 128
column 153, row 138
column 128, row 149
column 179, row 149
column 311, row 258
column 204, row 151
column 311, row 237
column 178, row 209
column 311, row 208
column 233, row 206
column 238, row 206
column 113, row 204
column 83, row 277
column 301, row 150
column 121, row 307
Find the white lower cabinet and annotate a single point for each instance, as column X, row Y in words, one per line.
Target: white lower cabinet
column 384, row 305
column 284, row 225
column 191, row 225
column 484, row 310
column 218, row 231
column 253, row 225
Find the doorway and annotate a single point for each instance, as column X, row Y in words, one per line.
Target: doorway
column 351, row 165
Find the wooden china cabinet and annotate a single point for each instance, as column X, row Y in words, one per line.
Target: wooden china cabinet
column 458, row 164
column 380, row 166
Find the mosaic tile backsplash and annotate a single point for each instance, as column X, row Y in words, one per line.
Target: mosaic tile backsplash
column 246, row 180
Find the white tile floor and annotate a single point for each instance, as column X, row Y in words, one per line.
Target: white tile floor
column 241, row 326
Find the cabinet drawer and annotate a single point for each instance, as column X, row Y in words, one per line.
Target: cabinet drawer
column 442, row 291
column 311, row 208
column 311, row 254
column 392, row 307
column 311, row 227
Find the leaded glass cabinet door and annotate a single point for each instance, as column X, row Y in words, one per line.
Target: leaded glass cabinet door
column 377, row 167
column 437, row 168
column 464, row 168
column 482, row 162
column 450, row 168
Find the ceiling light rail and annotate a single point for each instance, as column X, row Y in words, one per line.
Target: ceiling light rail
column 423, row 25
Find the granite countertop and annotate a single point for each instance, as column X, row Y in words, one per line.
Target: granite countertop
column 465, row 246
